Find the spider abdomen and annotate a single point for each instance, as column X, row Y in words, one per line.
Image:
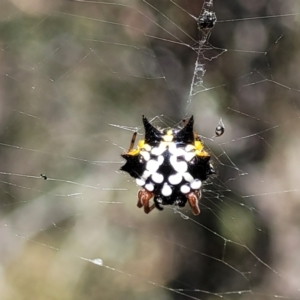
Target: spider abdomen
column 170, row 166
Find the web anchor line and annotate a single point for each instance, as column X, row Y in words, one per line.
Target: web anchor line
column 205, row 23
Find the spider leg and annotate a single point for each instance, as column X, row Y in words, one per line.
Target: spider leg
column 196, row 137
column 193, row 199
column 143, row 200
column 132, row 141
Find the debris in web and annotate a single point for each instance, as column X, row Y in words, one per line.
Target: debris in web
column 205, row 23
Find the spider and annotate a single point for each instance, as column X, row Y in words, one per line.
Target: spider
column 169, row 165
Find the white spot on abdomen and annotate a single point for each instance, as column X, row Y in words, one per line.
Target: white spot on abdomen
column 196, row 184
column 157, row 178
column 189, row 156
column 180, row 166
column 175, row 179
column 166, row 190
column 160, row 159
column 140, row 181
column 152, row 165
column 188, row 177
column 146, row 155
column 146, row 174
column 189, row 148
column 185, row 189
column 149, row 187
column 158, row 150
column 147, row 147
column 176, row 151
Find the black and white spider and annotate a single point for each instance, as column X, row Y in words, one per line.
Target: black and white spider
column 169, row 165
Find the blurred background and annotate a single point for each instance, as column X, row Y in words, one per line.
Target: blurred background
column 76, row 77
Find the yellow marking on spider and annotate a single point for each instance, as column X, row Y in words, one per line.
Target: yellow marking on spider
column 199, row 149
column 134, row 151
column 138, row 148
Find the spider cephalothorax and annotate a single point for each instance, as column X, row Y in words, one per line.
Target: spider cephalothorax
column 169, row 165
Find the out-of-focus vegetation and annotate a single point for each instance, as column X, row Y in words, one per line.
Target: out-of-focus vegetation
column 70, row 69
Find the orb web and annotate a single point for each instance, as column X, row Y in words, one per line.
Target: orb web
column 76, row 78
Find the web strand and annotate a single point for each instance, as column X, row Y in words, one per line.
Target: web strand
column 76, row 79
